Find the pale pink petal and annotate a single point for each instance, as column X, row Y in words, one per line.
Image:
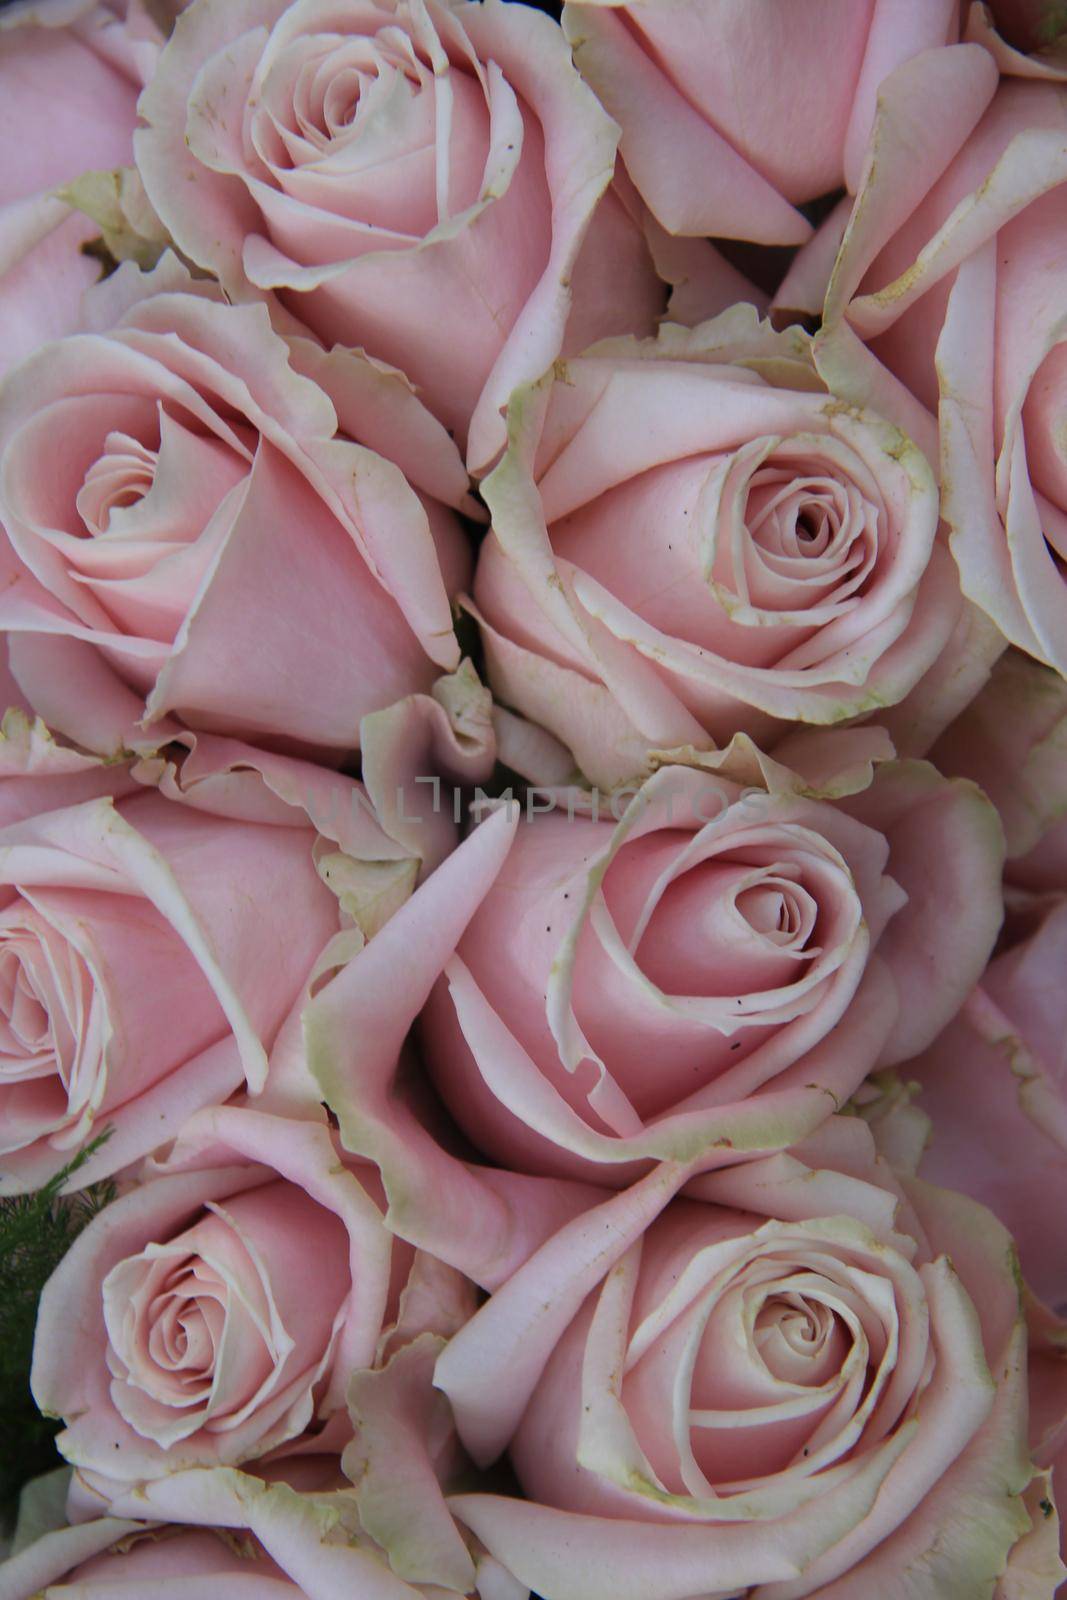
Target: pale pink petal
column 946, row 851
column 896, row 34
column 400, row 1421
column 928, row 107
column 280, row 686
column 731, row 199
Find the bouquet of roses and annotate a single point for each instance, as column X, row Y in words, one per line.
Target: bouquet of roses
column 533, row 798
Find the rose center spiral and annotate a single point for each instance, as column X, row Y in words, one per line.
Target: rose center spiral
column 120, row 477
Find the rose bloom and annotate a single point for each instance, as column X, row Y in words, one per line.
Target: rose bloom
column 711, row 975
column 173, row 1563
column 1012, row 741
column 994, row 1086
column 415, row 180
column 807, row 1376
column 953, row 256
column 214, row 1534
column 691, row 536
column 70, row 74
column 216, row 1312
column 721, row 130
column 994, row 1081
column 156, row 945
column 331, row 1523
column 211, row 541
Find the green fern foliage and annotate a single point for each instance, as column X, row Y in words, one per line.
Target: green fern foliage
column 36, row 1230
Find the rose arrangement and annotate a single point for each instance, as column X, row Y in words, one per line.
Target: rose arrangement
column 533, row 777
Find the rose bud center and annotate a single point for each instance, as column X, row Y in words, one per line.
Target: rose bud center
column 216, row 1326
column 116, row 480
column 727, row 927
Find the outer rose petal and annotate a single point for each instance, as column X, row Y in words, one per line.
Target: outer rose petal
column 587, row 720
column 128, row 34
column 976, row 240
column 308, row 1545
column 396, row 814
column 37, row 774
column 91, row 109
column 242, row 607
column 958, row 675
column 87, row 77
column 731, row 139
column 947, row 853
column 399, row 1417
column 955, row 85
column 71, row 687
column 1012, row 741
column 56, row 1553
column 45, row 278
column 522, row 1326
column 1034, row 1565
column 740, row 203
column 994, row 1137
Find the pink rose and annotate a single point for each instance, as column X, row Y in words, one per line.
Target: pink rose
column 70, row 73
column 994, row 1082
column 415, row 180
column 1012, row 741
column 806, row 1377
column 338, row 1526
column 211, row 542
column 994, row 1086
column 710, row 976
column 157, row 946
column 953, row 250
column 691, row 536
column 220, row 1534
column 190, row 1325
column 171, row 1563
column 733, row 114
